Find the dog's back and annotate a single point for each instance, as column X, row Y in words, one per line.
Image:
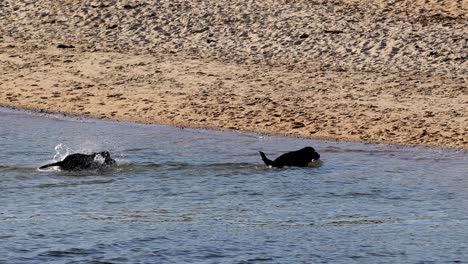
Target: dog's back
column 298, row 158
column 80, row 161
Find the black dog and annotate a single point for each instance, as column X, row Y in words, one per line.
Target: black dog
column 79, row 161
column 299, row 158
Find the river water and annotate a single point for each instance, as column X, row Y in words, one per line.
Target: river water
column 199, row 196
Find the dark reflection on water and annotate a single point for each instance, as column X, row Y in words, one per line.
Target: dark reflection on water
column 197, row 196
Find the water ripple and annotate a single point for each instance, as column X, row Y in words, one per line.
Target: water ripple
column 199, row 196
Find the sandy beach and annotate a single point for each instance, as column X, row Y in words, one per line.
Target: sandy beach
column 381, row 71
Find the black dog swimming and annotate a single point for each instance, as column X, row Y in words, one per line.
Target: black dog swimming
column 77, row 161
column 298, row 158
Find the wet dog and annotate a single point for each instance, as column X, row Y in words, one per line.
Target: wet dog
column 298, row 158
column 78, row 161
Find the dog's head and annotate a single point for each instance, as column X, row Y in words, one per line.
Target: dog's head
column 107, row 158
column 311, row 153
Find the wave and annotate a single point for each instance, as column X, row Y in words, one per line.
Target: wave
column 12, row 168
column 126, row 167
column 129, row 167
column 69, row 252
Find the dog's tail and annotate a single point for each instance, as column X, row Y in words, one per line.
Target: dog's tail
column 51, row 165
column 266, row 160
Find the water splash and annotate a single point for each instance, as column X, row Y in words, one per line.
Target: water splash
column 61, row 151
column 99, row 159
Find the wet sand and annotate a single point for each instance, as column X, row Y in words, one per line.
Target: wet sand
column 385, row 71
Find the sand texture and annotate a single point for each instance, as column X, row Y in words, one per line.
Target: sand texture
column 374, row 71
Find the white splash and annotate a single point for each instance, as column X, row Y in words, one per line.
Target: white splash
column 99, row 159
column 61, row 151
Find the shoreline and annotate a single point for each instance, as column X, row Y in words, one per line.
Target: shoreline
column 309, row 103
column 380, row 72
column 75, row 117
column 350, row 106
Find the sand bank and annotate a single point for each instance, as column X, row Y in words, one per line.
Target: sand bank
column 384, row 71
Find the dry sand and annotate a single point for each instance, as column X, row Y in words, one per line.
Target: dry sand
column 374, row 71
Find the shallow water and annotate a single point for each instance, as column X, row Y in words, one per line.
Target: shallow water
column 197, row 196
